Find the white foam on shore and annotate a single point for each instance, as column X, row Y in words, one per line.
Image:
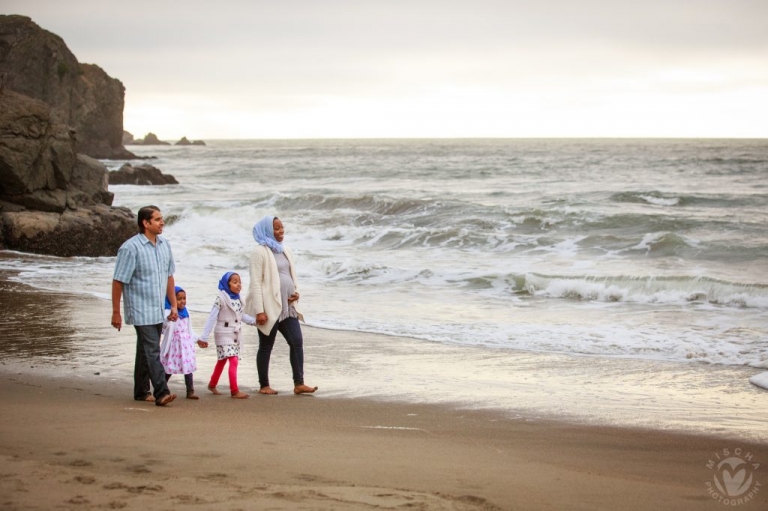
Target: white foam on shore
column 690, row 396
column 761, row 380
column 633, row 318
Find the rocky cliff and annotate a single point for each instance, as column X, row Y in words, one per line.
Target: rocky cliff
column 53, row 200
column 38, row 64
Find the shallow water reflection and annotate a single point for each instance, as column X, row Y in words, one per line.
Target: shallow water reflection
column 34, row 324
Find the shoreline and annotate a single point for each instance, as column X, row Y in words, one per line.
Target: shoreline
column 70, row 427
column 77, row 341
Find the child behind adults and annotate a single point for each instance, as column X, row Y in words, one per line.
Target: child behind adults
column 177, row 353
column 225, row 321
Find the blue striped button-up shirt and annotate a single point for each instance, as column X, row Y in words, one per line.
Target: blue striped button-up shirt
column 144, row 268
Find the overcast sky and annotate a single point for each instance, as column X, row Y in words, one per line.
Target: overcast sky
column 424, row 68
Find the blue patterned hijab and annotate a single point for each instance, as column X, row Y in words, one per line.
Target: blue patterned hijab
column 224, row 285
column 183, row 313
column 264, row 234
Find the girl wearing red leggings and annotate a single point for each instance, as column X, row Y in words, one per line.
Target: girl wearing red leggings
column 225, row 321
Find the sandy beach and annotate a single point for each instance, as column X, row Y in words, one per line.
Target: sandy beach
column 74, row 439
column 76, row 444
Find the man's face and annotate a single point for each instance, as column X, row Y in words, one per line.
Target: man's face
column 154, row 225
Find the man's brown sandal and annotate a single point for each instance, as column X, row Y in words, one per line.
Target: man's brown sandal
column 166, row 399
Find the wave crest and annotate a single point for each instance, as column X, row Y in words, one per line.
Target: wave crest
column 659, row 290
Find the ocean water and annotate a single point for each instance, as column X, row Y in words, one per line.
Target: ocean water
column 637, row 249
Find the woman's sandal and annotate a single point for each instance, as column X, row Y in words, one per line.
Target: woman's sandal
column 191, row 395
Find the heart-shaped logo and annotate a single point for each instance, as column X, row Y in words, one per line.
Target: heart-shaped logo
column 732, row 477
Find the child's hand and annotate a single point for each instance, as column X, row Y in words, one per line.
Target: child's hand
column 202, row 343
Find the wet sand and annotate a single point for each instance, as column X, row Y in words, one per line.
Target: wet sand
column 71, row 438
column 82, row 444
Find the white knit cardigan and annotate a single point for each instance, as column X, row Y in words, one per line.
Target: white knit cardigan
column 264, row 287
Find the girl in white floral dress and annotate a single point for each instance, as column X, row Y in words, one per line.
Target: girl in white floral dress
column 177, row 353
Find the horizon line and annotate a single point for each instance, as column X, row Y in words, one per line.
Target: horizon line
column 191, row 139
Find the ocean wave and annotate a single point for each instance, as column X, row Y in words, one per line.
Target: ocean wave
column 453, row 229
column 733, row 165
column 350, row 270
column 652, row 197
column 367, row 203
column 717, row 200
column 630, row 223
column 663, row 244
column 656, row 290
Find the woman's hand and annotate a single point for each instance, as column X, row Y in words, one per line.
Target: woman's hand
column 202, row 343
column 293, row 298
column 261, row 318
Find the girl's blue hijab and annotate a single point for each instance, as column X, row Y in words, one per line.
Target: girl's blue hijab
column 224, row 285
column 183, row 313
column 264, row 234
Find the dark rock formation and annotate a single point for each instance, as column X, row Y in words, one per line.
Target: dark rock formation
column 127, row 138
column 94, row 231
column 185, row 141
column 144, row 174
column 38, row 64
column 150, row 139
column 53, row 200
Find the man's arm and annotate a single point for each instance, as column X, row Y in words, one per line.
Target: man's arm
column 170, row 292
column 117, row 293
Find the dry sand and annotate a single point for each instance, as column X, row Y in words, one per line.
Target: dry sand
column 69, row 444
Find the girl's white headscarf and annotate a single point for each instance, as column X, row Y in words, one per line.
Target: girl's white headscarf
column 264, row 234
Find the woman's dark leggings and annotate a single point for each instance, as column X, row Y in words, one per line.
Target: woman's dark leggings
column 291, row 330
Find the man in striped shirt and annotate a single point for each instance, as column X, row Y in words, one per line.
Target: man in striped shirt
column 144, row 278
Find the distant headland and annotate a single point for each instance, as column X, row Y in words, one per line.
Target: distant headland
column 151, row 139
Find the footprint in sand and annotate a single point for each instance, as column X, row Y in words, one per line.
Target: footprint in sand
column 189, row 499
column 146, row 488
column 80, row 463
column 133, row 489
column 214, row 476
column 115, row 486
column 356, row 497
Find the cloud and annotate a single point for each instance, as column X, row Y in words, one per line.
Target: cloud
column 264, row 57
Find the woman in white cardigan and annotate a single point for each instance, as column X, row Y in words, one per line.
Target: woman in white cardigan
column 272, row 300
